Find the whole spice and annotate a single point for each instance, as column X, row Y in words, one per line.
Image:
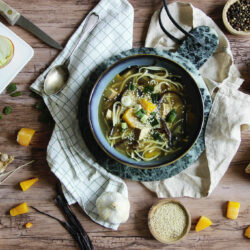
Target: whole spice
column 7, row 110
column 5, row 160
column 238, row 15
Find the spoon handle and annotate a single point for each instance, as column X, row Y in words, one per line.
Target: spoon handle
column 90, row 23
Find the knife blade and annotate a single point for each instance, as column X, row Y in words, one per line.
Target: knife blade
column 15, row 18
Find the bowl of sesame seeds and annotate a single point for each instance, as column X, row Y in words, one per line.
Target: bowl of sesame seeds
column 169, row 221
column 236, row 17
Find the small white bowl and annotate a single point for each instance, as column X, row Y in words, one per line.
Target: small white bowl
column 226, row 22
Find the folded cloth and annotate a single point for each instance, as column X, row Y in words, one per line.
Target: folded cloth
column 230, row 110
column 83, row 180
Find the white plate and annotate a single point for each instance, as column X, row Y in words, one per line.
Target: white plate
column 22, row 54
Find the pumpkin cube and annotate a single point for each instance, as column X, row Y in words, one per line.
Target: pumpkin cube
column 24, row 136
column 233, row 208
column 247, row 232
column 131, row 119
column 203, row 223
column 25, row 185
column 149, row 107
column 28, row 225
column 20, row 209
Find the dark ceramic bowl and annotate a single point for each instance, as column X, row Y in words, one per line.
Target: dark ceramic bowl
column 193, row 97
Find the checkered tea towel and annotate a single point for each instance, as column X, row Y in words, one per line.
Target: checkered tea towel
column 83, row 180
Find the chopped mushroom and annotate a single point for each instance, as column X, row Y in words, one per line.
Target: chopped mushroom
column 165, row 110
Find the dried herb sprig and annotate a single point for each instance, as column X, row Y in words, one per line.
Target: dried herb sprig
column 10, row 173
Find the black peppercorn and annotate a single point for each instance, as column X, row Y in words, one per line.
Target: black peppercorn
column 238, row 15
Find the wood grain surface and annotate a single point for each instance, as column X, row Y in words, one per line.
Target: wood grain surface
column 60, row 18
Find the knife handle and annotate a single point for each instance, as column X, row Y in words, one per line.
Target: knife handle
column 10, row 14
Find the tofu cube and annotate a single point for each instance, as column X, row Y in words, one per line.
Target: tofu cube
column 143, row 133
column 109, row 114
column 110, row 93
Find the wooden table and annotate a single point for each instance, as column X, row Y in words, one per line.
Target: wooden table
column 60, row 18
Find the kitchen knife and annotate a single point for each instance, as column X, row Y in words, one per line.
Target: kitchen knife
column 15, row 18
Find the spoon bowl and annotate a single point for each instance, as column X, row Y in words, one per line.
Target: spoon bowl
column 58, row 76
column 56, row 79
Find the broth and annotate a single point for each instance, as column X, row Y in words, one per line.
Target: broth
column 144, row 114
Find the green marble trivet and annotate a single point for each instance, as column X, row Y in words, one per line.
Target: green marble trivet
column 191, row 55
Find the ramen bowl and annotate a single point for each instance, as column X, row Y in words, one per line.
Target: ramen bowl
column 193, row 98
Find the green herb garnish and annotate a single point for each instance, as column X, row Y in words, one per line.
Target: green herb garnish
column 156, row 136
column 171, row 116
column 144, row 119
column 155, row 97
column 7, row 110
column 154, row 122
column 153, row 114
column 17, row 93
column 124, row 126
column 140, row 113
column 131, row 86
column 148, row 89
column 11, row 88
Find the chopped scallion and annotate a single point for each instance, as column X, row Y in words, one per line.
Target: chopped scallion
column 171, row 116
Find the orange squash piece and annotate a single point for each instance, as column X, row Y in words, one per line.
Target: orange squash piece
column 20, row 209
column 247, row 232
column 203, row 223
column 28, row 225
column 130, row 119
column 149, row 107
column 25, row 185
column 24, row 136
column 233, row 209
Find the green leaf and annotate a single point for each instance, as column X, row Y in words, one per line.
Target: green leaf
column 140, row 113
column 155, row 97
column 7, row 110
column 1, row 117
column 11, row 88
column 17, row 93
column 148, row 89
column 131, row 86
column 171, row 116
column 154, row 122
column 156, row 136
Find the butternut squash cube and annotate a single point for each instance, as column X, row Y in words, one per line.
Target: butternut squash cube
column 131, row 119
column 25, row 185
column 24, row 136
column 233, row 208
column 28, row 225
column 247, row 232
column 203, row 223
column 149, row 107
column 20, row 209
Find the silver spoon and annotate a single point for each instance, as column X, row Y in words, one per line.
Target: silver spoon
column 58, row 76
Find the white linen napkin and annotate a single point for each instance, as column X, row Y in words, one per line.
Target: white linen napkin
column 230, row 110
column 83, row 180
